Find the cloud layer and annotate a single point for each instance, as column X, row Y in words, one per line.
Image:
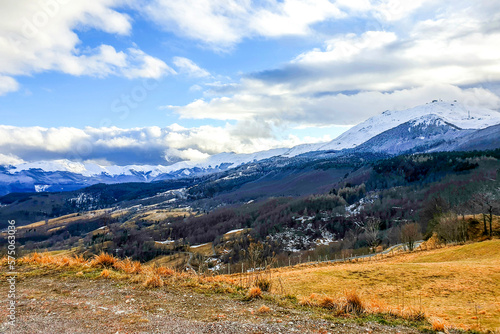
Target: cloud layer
column 150, row 145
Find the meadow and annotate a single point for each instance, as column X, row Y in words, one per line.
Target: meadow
column 456, row 285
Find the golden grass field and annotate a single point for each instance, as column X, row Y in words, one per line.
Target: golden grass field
column 170, row 260
column 458, row 284
column 63, row 220
column 204, row 249
column 159, row 215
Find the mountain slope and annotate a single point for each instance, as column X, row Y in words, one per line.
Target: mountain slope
column 454, row 113
column 438, row 126
column 483, row 139
column 419, row 135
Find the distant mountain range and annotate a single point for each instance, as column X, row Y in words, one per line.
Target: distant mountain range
column 437, row 126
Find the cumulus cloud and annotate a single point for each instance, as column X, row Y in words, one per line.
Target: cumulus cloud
column 290, row 109
column 221, row 23
column 43, row 36
column 7, row 85
column 9, row 159
column 422, row 51
column 148, row 145
column 189, row 67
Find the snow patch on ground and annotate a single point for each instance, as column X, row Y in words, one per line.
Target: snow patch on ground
column 196, row 246
column 41, row 187
column 234, row 231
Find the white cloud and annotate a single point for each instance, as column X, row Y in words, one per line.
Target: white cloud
column 43, row 36
column 190, row 68
column 145, row 66
column 223, row 23
column 345, row 48
column 9, row 159
column 149, row 145
column 292, row 17
column 447, row 48
column 7, row 85
column 292, row 109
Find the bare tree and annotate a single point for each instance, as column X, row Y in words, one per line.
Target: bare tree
column 372, row 229
column 254, row 253
column 410, row 233
column 450, row 228
column 488, row 201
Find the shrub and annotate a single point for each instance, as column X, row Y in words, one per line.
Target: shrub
column 349, row 303
column 327, row 302
column 264, row 284
column 104, row 260
column 163, row 271
column 353, row 303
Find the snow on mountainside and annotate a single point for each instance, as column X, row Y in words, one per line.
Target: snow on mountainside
column 420, row 134
column 454, row 113
column 217, row 161
column 434, row 126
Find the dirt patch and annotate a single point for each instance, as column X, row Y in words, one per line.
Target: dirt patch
column 48, row 304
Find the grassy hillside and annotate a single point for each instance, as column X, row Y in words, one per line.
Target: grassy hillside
column 458, row 284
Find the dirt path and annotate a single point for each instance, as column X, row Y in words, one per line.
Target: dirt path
column 78, row 305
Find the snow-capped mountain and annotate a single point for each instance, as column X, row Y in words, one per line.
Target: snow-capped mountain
column 451, row 112
column 148, row 172
column 63, row 175
column 436, row 126
column 418, row 135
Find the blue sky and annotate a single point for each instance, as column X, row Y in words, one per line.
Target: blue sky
column 90, row 80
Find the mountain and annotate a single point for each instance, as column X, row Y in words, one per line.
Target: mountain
column 65, row 175
column 436, row 126
column 418, row 135
column 453, row 113
column 483, row 139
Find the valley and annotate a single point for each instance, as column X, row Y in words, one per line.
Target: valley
column 377, row 219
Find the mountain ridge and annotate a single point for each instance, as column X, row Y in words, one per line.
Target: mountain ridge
column 436, row 126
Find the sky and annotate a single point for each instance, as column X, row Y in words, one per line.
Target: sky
column 155, row 82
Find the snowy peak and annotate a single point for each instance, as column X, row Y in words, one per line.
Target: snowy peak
column 417, row 135
column 449, row 112
column 431, row 121
column 148, row 172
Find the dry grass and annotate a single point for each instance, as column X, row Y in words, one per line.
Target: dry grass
column 171, row 261
column 347, row 303
column 105, row 273
column 264, row 309
column 450, row 283
column 104, row 260
column 264, row 284
column 64, row 220
column 153, row 281
column 437, row 324
column 107, row 266
column 158, row 215
column 254, row 293
column 128, row 266
column 60, row 261
column 205, row 249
